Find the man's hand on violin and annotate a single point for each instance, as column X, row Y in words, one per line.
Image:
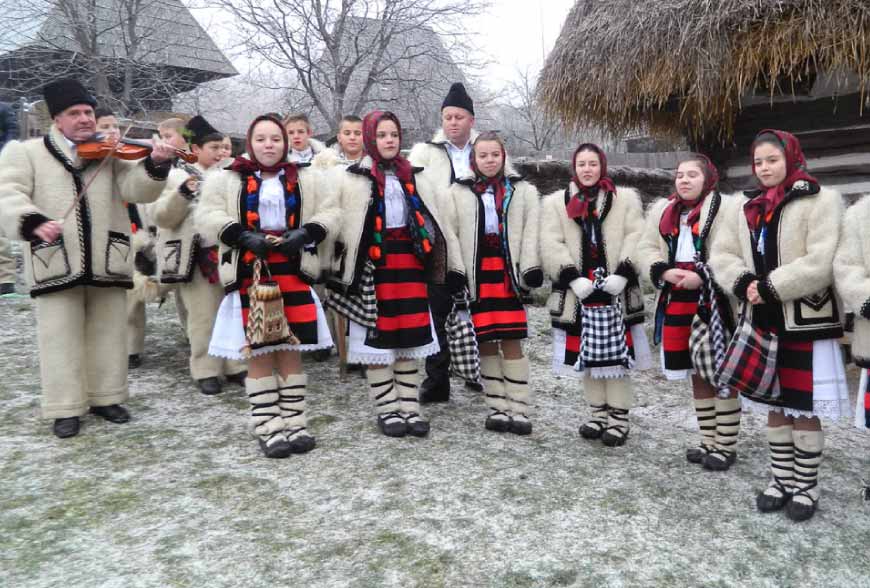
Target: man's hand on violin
column 48, row 231
column 162, row 151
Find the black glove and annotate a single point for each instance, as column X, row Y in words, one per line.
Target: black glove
column 144, row 264
column 256, row 243
column 292, row 241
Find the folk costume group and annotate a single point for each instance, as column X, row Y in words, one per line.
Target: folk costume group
column 405, row 245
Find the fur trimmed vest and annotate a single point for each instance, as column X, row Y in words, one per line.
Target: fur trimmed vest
column 178, row 239
column 356, row 191
column 852, row 275
column 802, row 238
column 222, row 207
column 39, row 180
column 434, row 159
column 464, row 214
column 562, row 249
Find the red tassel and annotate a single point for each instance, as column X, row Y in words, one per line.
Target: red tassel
column 375, row 253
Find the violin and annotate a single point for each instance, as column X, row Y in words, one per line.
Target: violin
column 101, row 146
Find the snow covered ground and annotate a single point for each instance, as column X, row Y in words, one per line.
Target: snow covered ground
column 180, row 496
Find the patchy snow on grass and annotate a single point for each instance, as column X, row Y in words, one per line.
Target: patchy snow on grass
column 181, row 496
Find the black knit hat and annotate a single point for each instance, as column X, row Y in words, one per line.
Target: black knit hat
column 200, row 132
column 61, row 94
column 457, row 96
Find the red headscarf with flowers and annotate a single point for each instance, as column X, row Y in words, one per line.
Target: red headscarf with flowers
column 582, row 202
column 763, row 205
column 670, row 221
column 251, row 164
column 400, row 166
column 482, row 183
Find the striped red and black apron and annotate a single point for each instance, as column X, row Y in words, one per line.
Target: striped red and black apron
column 680, row 310
column 403, row 300
column 497, row 313
column 299, row 307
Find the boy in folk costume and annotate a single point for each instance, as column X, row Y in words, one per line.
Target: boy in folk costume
column 189, row 260
column 303, row 145
column 775, row 253
column 79, row 265
column 392, row 244
column 852, row 280
column 676, row 239
column 267, row 209
column 347, row 151
column 494, row 214
column 443, row 159
column 590, row 230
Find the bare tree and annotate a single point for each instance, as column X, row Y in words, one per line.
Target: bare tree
column 526, row 122
column 349, row 54
column 123, row 49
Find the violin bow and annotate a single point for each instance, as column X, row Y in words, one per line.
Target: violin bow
column 100, row 168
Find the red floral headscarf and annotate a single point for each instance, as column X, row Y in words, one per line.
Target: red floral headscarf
column 670, row 221
column 482, row 183
column 251, row 165
column 400, row 166
column 796, row 169
column 580, row 204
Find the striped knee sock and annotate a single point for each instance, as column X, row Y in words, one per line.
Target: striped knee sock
column 266, row 420
column 382, row 391
column 291, row 391
column 516, row 387
column 407, row 381
column 705, row 411
column 808, row 446
column 781, row 444
column 493, row 387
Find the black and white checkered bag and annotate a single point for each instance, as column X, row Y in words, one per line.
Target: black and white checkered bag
column 708, row 340
column 462, row 343
column 602, row 337
column 360, row 308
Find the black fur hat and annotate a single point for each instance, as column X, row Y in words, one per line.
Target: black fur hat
column 61, row 94
column 457, row 96
column 200, row 132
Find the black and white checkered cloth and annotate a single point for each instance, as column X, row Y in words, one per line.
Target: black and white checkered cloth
column 462, row 343
column 708, row 341
column 360, row 308
column 602, row 337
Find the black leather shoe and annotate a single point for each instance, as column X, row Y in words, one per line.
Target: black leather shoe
column 68, row 427
column 238, row 379
column 7, row 288
column 432, row 391
column 392, row 424
column 114, row 413
column 277, row 449
column 210, row 386
column 475, row 386
column 134, row 361
column 322, row 355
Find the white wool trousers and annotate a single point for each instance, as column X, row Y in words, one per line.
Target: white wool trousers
column 135, row 324
column 82, row 349
column 7, row 261
column 202, row 300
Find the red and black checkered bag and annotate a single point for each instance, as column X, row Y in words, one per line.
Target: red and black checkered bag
column 750, row 361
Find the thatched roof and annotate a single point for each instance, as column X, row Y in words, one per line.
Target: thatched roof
column 683, row 65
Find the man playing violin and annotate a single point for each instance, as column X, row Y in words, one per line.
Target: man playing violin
column 79, row 262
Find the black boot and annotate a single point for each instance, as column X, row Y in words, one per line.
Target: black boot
column 114, row 413
column 68, row 427
column 210, row 386
column 238, row 379
column 134, row 361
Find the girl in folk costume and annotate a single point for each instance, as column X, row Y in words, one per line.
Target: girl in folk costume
column 590, row 230
column 672, row 251
column 775, row 252
column 266, row 209
column 495, row 216
column 392, row 242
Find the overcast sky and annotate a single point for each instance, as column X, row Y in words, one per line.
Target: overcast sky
column 516, row 30
column 516, row 33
